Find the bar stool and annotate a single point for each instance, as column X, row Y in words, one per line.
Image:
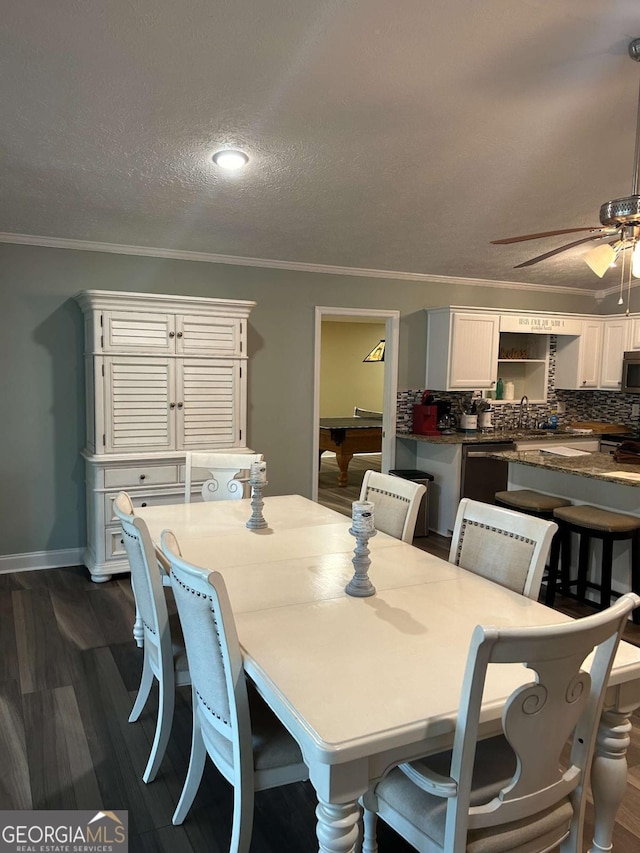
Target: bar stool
column 591, row 522
column 530, row 502
column 542, row 506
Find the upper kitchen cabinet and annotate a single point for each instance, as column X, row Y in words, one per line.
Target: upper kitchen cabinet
column 468, row 349
column 578, row 357
column 633, row 335
column 523, row 359
column 615, row 340
column 462, row 350
column 593, row 359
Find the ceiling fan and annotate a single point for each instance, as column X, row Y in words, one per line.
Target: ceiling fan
column 619, row 221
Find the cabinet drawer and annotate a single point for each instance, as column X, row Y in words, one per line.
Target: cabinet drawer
column 140, row 475
column 114, row 544
column 140, row 500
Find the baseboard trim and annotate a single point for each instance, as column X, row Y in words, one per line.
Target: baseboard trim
column 41, row 560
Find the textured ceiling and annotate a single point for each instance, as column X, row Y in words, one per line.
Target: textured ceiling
column 399, row 136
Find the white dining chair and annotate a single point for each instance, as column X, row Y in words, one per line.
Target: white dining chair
column 231, row 723
column 224, row 481
column 506, row 546
column 164, row 654
column 396, row 503
column 520, row 791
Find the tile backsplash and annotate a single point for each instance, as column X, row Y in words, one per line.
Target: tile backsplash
column 609, row 406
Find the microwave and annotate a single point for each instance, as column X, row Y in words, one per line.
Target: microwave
column 631, row 372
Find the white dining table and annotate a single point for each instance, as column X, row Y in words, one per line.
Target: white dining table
column 365, row 683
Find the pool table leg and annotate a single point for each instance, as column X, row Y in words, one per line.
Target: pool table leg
column 343, row 460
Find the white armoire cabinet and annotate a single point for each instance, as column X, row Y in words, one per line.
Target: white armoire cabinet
column 163, row 375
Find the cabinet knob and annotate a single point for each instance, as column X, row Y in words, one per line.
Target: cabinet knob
column 180, row 405
column 143, row 476
column 143, row 504
column 179, row 335
column 172, row 334
column 172, row 405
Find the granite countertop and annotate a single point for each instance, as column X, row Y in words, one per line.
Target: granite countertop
column 598, row 466
column 477, row 437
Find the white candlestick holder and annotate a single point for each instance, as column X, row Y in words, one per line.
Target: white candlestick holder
column 360, row 584
column 257, row 522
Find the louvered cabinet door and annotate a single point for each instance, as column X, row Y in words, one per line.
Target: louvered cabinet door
column 199, row 335
column 211, row 414
column 140, row 404
column 138, row 332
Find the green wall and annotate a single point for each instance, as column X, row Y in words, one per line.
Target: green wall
column 42, row 496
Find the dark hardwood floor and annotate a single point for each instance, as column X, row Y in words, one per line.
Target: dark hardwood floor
column 69, row 671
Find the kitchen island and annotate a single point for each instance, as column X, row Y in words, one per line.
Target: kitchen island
column 596, row 479
column 443, row 455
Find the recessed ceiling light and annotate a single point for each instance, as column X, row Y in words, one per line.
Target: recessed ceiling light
column 230, row 159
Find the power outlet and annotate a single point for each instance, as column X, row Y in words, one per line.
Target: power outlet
column 561, row 408
column 635, row 410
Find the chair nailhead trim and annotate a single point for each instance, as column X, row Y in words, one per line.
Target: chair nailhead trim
column 213, row 616
column 469, row 523
column 388, row 494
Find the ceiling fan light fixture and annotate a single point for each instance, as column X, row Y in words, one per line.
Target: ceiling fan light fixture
column 600, row 259
column 230, row 159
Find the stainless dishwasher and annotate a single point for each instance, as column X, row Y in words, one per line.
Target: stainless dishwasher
column 481, row 476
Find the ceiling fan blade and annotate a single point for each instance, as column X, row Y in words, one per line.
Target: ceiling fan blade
column 561, row 249
column 542, row 234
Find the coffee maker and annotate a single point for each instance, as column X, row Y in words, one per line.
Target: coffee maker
column 425, row 415
column 425, row 419
column 445, row 422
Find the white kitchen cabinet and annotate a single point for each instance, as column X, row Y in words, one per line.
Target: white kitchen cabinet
column 462, row 350
column 163, row 375
column 615, row 339
column 578, row 358
column 633, row 340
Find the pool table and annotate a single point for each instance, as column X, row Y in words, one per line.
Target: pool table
column 346, row 436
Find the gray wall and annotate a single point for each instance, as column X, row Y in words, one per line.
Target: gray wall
column 42, row 495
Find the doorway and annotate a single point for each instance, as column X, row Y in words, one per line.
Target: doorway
column 389, row 322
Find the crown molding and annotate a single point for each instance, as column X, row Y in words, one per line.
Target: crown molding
column 268, row 263
column 600, row 295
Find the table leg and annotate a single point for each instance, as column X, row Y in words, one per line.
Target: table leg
column 343, row 460
column 337, row 828
column 609, row 776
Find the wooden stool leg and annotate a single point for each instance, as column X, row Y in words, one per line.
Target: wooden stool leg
column 565, row 560
column 605, row 579
column 552, row 574
column 583, row 566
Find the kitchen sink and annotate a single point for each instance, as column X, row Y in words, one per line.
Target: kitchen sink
column 537, row 433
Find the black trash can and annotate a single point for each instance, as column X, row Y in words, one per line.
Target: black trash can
column 422, row 523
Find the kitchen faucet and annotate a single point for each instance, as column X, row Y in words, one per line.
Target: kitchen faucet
column 524, row 409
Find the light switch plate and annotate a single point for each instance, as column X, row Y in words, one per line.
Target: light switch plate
column 561, row 408
column 635, row 410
